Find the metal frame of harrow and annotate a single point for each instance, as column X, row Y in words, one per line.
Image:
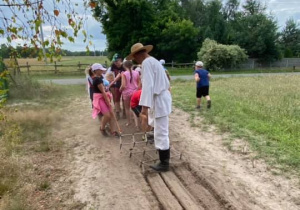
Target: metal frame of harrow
column 143, row 150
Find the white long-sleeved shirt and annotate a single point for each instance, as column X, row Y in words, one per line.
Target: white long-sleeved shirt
column 155, row 88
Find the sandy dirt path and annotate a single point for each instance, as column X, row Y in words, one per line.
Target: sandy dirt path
column 100, row 176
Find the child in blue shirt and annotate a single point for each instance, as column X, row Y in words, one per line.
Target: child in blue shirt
column 202, row 78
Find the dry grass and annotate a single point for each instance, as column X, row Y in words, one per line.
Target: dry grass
column 24, row 139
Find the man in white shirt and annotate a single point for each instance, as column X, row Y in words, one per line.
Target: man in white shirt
column 156, row 101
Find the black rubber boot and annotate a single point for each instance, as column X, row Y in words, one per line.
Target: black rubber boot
column 163, row 165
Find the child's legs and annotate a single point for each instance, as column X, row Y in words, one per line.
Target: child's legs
column 112, row 123
column 206, row 93
column 136, row 120
column 117, row 99
column 198, row 101
column 105, row 119
column 114, row 92
column 198, row 96
column 127, row 109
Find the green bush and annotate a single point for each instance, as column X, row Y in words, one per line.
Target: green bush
column 218, row 56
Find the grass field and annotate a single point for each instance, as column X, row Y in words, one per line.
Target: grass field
column 25, row 134
column 263, row 110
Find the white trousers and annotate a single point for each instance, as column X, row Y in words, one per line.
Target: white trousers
column 161, row 132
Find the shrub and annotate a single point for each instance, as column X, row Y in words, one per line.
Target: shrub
column 218, row 56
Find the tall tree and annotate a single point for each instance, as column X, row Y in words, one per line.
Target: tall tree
column 290, row 38
column 178, row 41
column 230, row 9
column 256, row 32
column 126, row 22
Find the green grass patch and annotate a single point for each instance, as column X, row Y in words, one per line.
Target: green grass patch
column 263, row 110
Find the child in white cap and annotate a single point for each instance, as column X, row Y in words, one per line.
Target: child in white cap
column 102, row 101
column 202, row 77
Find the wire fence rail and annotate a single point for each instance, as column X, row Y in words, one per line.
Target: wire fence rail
column 250, row 64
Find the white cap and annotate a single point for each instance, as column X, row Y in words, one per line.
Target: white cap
column 162, row 61
column 98, row 66
column 199, row 63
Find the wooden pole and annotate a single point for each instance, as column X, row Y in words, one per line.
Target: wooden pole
column 27, row 66
column 79, row 66
column 55, row 68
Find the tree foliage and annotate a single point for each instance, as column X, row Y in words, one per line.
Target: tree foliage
column 290, row 38
column 156, row 22
column 22, row 21
column 177, row 28
column 218, row 56
column 256, row 32
column 30, row 52
column 125, row 22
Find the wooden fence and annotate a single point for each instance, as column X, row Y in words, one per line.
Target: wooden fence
column 53, row 68
column 80, row 67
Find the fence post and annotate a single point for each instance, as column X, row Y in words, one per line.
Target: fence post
column 27, row 66
column 79, row 66
column 55, row 68
column 172, row 64
column 106, row 64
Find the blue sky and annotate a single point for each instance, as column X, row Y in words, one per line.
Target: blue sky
column 280, row 9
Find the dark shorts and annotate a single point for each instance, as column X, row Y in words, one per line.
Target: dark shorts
column 137, row 110
column 202, row 91
column 91, row 93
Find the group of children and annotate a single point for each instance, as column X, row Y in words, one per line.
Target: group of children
column 122, row 83
column 118, row 84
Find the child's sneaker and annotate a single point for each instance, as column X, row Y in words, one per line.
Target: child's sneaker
column 198, row 107
column 103, row 132
column 208, row 104
column 115, row 134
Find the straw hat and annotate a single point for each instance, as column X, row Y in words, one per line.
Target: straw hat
column 138, row 47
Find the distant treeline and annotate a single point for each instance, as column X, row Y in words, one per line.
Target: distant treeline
column 28, row 52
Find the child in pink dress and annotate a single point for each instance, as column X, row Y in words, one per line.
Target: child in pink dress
column 130, row 83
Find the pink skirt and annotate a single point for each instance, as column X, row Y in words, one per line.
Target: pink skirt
column 103, row 106
column 99, row 105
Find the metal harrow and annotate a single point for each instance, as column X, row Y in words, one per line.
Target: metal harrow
column 140, row 145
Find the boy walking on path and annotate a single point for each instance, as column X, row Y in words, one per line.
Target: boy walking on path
column 202, row 78
column 156, row 101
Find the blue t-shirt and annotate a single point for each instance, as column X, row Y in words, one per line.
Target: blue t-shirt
column 204, row 80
